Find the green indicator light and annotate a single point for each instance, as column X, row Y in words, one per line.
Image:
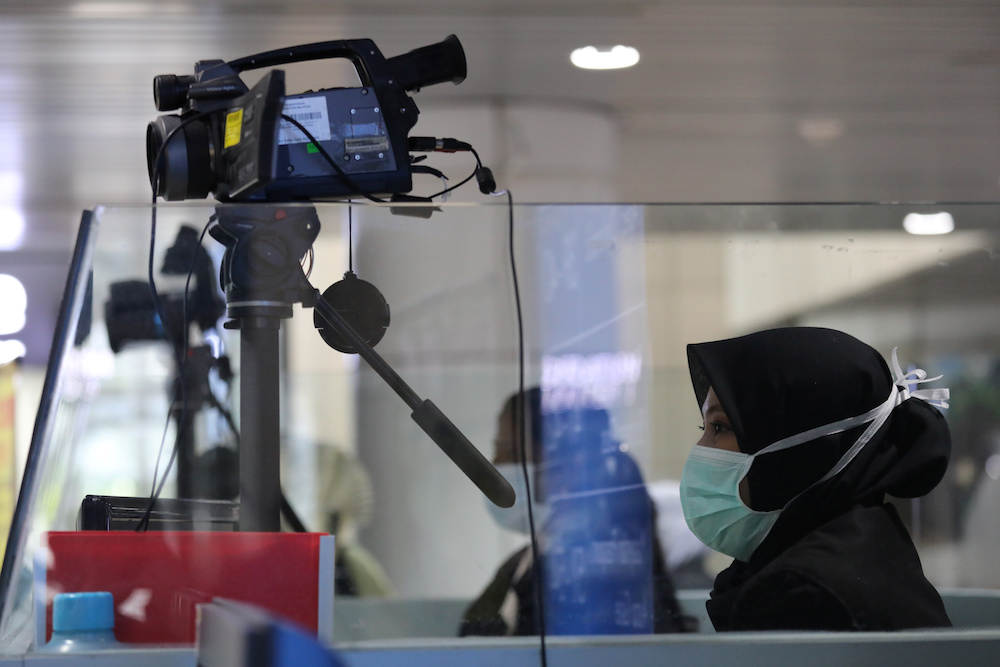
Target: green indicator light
column 311, row 148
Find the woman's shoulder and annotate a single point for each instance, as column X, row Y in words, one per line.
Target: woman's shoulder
column 784, row 599
column 858, row 571
column 865, row 539
column 864, row 549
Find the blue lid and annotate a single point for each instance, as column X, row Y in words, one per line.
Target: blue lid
column 83, row 612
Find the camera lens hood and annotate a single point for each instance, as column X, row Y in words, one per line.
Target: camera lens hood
column 178, row 157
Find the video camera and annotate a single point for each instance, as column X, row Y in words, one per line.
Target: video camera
column 258, row 144
column 132, row 315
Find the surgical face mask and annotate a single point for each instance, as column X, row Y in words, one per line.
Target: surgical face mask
column 515, row 518
column 713, row 509
column 710, row 483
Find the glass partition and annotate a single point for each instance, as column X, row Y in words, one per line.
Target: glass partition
column 593, row 305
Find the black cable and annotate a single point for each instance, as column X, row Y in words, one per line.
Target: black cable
column 287, row 510
column 357, row 189
column 158, row 307
column 155, row 184
column 479, row 165
column 333, row 163
column 290, row 516
column 227, row 416
column 180, row 360
column 522, row 428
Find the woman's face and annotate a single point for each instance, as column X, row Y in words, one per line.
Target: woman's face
column 719, row 435
column 718, row 431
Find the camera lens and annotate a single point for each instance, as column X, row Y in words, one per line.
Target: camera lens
column 428, row 65
column 170, row 91
column 178, row 157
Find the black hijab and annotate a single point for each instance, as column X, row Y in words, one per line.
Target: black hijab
column 778, row 383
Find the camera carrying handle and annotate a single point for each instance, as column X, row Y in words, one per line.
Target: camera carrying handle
column 425, row 66
column 367, row 59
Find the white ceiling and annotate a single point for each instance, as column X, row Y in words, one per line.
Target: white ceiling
column 766, row 100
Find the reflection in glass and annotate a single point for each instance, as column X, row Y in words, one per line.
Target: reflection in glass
column 611, row 295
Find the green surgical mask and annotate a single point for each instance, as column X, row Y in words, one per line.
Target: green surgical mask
column 713, row 509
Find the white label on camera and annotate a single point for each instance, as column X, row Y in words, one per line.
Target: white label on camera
column 311, row 113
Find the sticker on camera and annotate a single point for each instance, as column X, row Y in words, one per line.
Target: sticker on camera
column 311, row 113
column 234, row 128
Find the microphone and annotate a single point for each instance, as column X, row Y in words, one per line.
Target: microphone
column 434, row 423
column 464, row 454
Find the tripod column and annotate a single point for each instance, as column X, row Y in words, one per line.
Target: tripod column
column 263, row 279
column 260, row 430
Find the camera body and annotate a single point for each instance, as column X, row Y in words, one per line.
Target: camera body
column 132, row 314
column 239, row 144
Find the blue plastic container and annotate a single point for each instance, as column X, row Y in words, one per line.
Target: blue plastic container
column 82, row 622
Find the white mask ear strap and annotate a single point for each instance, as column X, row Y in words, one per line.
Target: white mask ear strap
column 885, row 410
column 832, row 428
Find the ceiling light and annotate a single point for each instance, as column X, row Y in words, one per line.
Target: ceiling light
column 615, row 57
column 820, row 131
column 928, row 223
column 122, row 9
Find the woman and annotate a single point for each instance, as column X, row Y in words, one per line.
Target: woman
column 805, row 434
column 568, row 444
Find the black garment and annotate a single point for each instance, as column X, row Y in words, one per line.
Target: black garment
column 836, row 558
column 859, row 571
column 514, row 578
